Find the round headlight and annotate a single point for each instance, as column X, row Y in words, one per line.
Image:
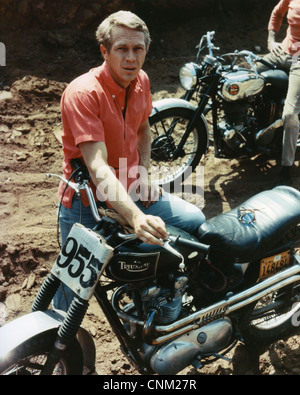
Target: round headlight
column 188, row 76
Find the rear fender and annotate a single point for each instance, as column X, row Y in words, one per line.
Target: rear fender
column 166, row 104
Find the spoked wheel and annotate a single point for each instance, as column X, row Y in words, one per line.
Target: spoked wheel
column 274, row 316
column 30, row 358
column 167, row 129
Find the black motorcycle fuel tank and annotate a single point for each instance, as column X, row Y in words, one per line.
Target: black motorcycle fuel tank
column 139, row 261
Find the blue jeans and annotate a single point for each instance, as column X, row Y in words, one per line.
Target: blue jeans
column 171, row 209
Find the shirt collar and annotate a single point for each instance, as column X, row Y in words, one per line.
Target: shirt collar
column 113, row 87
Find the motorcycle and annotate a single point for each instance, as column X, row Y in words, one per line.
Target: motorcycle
column 184, row 304
column 227, row 102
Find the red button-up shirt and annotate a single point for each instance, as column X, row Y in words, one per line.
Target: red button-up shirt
column 95, row 108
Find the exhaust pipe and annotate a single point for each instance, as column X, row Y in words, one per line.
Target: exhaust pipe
column 233, row 303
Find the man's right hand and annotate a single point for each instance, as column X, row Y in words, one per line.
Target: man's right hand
column 149, row 229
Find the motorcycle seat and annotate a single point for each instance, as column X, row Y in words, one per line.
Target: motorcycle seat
column 232, row 239
column 277, row 78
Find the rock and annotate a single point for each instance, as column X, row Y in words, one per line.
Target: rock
column 4, row 128
column 14, row 302
column 4, row 95
column 5, row 266
column 43, row 271
column 3, row 314
column 93, row 330
column 20, row 156
column 3, row 291
column 30, row 281
column 24, row 284
column 16, row 133
column 25, row 129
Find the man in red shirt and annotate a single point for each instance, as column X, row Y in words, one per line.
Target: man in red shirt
column 105, row 124
column 285, row 55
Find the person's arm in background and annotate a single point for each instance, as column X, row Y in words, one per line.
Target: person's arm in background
column 274, row 25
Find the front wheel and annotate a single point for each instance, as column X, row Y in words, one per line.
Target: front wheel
column 30, row 357
column 167, row 129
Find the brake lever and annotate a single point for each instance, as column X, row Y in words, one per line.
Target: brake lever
column 172, row 250
column 69, row 183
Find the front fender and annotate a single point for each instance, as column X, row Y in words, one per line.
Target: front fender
column 17, row 332
column 165, row 104
column 26, row 327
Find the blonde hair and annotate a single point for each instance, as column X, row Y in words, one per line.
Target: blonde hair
column 121, row 18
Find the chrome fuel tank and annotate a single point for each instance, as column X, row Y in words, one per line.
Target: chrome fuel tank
column 240, row 84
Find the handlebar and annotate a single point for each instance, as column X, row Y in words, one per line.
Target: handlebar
column 181, row 241
column 209, row 36
column 270, row 65
column 83, row 179
column 77, row 187
column 248, row 55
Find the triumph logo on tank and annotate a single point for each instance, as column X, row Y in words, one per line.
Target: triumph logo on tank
column 136, row 266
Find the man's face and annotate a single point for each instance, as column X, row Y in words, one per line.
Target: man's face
column 126, row 56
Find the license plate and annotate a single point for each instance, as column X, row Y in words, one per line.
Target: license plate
column 82, row 260
column 274, row 264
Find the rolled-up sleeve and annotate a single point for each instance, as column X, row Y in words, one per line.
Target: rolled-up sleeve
column 80, row 116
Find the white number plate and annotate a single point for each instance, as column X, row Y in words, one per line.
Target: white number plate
column 82, row 260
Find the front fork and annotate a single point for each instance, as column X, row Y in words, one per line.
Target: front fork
column 71, row 324
column 211, row 89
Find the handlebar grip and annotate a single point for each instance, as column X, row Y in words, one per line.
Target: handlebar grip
column 192, row 244
column 264, row 62
column 76, row 163
column 81, row 172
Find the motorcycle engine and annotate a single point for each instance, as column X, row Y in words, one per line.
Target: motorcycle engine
column 237, row 125
column 167, row 300
column 238, row 91
column 163, row 296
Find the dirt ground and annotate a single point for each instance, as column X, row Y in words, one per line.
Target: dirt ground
column 30, row 89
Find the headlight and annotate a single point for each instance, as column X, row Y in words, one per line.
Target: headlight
column 188, row 75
